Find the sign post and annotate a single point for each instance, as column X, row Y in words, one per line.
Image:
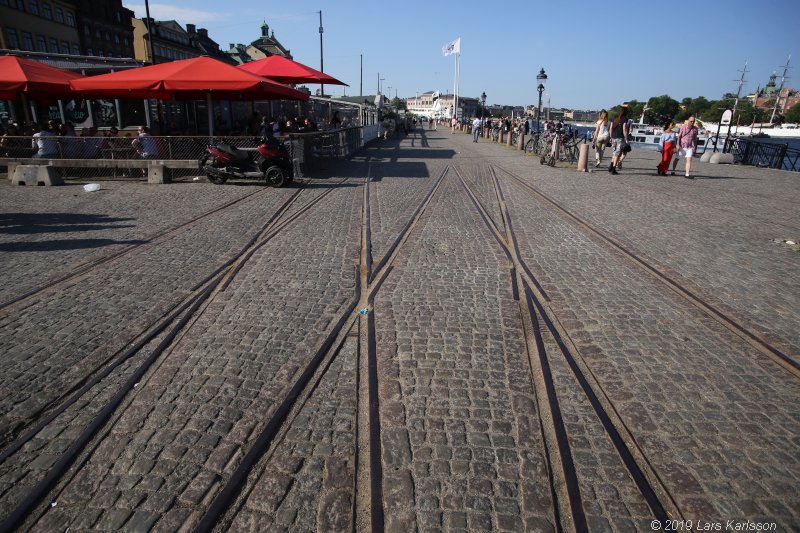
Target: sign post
column 726, row 120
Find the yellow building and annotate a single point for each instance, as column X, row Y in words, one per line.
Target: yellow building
column 39, row 26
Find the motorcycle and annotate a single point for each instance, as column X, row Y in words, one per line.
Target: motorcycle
column 270, row 162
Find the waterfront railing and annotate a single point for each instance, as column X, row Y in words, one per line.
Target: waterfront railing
column 762, row 154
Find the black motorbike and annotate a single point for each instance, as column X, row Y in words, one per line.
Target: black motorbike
column 270, row 162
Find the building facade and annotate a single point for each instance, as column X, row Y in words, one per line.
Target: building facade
column 168, row 41
column 105, row 28
column 432, row 104
column 199, row 39
column 45, row 26
column 267, row 45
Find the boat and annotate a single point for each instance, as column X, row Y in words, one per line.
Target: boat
column 648, row 137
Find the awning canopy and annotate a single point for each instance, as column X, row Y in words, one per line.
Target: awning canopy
column 285, row 70
column 188, row 79
column 33, row 79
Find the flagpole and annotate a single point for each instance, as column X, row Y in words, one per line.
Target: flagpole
column 458, row 78
column 455, row 84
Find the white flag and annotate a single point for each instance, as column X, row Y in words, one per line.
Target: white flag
column 453, row 47
column 435, row 95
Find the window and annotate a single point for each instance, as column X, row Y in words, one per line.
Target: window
column 87, row 30
column 108, row 36
column 21, row 5
column 59, row 15
column 101, row 54
column 98, row 34
column 64, row 47
column 46, row 13
column 70, row 19
column 89, row 52
column 41, row 44
column 76, row 49
column 116, row 38
column 27, row 41
column 3, row 2
column 119, row 17
column 125, row 41
column 11, row 38
column 34, row 6
column 53, row 45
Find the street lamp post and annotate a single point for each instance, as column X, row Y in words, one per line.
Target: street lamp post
column 483, row 104
column 541, row 78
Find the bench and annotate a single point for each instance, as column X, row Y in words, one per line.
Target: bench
column 155, row 167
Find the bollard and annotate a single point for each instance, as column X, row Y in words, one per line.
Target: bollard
column 583, row 157
column 521, row 141
column 719, row 158
column 508, row 139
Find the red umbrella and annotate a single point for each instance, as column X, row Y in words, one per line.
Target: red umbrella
column 31, row 79
column 284, row 70
column 187, row 79
column 20, row 75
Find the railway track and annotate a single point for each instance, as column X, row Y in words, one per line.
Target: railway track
column 103, row 368
column 84, row 269
column 551, row 355
column 175, row 323
column 714, row 310
column 170, row 327
column 540, row 321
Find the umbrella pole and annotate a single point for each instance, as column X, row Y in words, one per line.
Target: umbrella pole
column 25, row 108
column 210, row 115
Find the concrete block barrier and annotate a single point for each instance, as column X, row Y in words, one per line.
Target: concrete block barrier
column 36, row 175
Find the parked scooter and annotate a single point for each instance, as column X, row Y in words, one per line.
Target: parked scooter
column 270, row 162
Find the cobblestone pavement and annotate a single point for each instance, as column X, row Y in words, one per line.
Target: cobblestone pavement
column 461, row 445
column 467, row 431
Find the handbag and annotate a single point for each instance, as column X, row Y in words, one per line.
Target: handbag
column 626, row 148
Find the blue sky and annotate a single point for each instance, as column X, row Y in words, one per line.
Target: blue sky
column 596, row 54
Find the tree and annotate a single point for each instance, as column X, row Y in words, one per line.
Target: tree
column 793, row 115
column 661, row 108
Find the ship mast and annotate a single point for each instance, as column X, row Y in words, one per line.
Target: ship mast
column 778, row 97
column 742, row 81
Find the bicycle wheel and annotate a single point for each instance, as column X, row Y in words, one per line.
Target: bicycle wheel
column 529, row 146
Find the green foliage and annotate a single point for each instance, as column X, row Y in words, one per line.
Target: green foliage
column 662, row 108
column 793, row 115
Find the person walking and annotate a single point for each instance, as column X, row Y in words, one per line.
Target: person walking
column 687, row 146
column 619, row 135
column 600, row 138
column 666, row 147
column 476, row 129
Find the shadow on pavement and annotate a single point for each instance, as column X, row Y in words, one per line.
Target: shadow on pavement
column 62, row 244
column 35, row 223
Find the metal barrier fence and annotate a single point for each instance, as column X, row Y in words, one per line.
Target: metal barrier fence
column 761, row 154
column 307, row 150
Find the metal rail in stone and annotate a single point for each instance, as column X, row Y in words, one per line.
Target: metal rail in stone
column 196, row 303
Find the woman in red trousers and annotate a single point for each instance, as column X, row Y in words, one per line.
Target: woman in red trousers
column 667, row 148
